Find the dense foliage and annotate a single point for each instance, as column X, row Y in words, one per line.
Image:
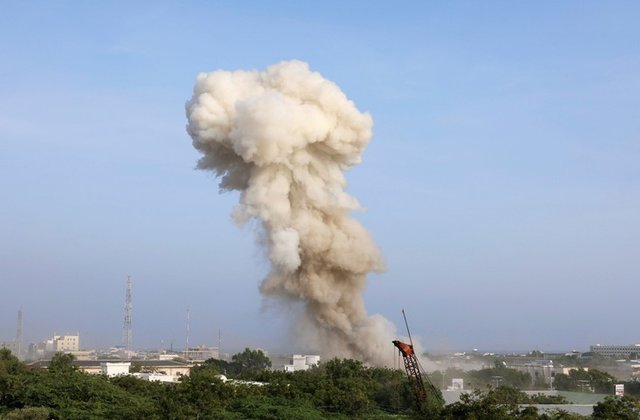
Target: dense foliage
column 498, row 375
column 336, row 389
column 625, row 408
column 585, row 380
column 245, row 365
column 340, row 389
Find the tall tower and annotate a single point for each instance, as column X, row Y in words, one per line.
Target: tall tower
column 126, row 327
column 188, row 331
column 18, row 344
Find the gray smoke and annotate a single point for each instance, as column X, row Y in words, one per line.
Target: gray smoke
column 283, row 138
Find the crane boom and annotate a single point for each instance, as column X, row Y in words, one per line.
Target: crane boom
column 413, row 370
column 412, row 366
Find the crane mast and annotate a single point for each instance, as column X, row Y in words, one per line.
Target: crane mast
column 413, row 370
column 412, row 366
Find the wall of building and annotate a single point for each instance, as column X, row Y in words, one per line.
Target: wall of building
column 112, row 369
column 66, row 342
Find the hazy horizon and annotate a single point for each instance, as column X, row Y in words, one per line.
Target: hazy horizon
column 501, row 183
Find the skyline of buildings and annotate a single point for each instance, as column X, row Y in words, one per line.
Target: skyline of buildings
column 127, row 350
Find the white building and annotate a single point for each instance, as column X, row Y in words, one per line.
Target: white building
column 97, row 367
column 629, row 351
column 157, row 377
column 112, row 369
column 302, row 362
column 457, row 384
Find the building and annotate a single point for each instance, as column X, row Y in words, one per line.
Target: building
column 168, row 356
column 457, row 384
column 162, row 367
column 302, row 362
column 201, row 353
column 543, row 371
column 112, row 369
column 66, row 343
column 629, row 351
column 157, row 377
column 84, row 354
column 9, row 346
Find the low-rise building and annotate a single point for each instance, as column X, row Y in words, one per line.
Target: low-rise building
column 201, row 353
column 302, row 362
column 628, row 351
column 112, row 369
column 165, row 367
column 543, row 371
column 157, row 377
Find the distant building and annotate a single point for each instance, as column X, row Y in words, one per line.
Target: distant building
column 201, row 353
column 66, row 343
column 84, row 354
column 112, row 369
column 543, row 371
column 302, row 362
column 226, row 380
column 629, row 351
column 59, row 343
column 457, row 384
column 168, row 356
column 157, row 377
column 162, row 367
column 9, row 346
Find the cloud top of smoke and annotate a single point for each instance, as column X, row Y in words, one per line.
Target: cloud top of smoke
column 283, row 137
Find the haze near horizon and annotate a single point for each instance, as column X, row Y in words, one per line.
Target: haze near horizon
column 501, row 182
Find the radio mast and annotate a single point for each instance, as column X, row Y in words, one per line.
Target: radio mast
column 187, row 333
column 18, row 344
column 126, row 327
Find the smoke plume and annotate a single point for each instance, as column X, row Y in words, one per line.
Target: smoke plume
column 283, row 138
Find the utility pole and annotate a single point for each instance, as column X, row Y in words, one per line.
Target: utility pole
column 126, row 327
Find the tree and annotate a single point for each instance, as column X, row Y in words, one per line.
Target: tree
column 28, row 413
column 217, row 366
column 500, row 403
column 617, row 408
column 478, row 406
column 10, row 370
column 507, row 395
column 62, row 363
column 251, row 362
column 582, row 380
column 500, row 375
column 9, row 364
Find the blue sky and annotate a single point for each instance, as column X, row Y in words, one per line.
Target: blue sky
column 502, row 182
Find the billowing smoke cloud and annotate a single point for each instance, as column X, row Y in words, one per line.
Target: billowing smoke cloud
column 284, row 138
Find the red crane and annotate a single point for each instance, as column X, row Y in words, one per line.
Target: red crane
column 412, row 366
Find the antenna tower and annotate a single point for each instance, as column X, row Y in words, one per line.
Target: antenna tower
column 18, row 344
column 126, row 327
column 187, row 332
